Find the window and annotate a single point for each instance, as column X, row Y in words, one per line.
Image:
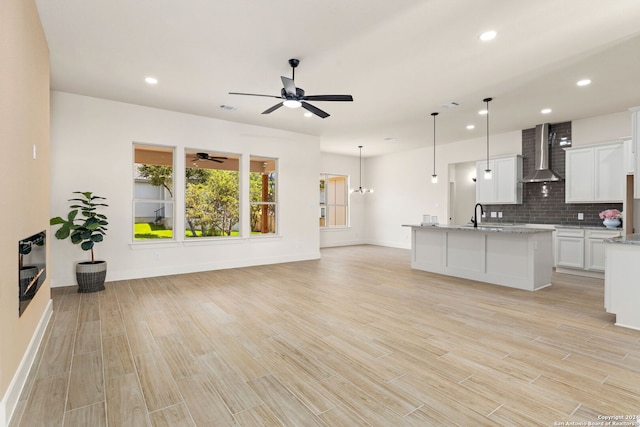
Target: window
column 152, row 192
column 334, row 200
column 212, row 194
column 262, row 195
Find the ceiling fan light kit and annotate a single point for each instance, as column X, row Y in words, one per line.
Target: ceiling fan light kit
column 294, row 97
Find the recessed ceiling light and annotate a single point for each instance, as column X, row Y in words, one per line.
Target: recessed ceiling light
column 308, row 114
column 488, row 35
column 583, row 82
column 545, row 110
column 483, row 112
column 151, row 80
column 389, row 138
column 471, row 127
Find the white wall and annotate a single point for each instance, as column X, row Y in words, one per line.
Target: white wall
column 404, row 191
column 606, row 128
column 91, row 150
column 355, row 233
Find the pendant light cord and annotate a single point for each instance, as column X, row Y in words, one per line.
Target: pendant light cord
column 487, row 101
column 434, row 142
column 360, row 147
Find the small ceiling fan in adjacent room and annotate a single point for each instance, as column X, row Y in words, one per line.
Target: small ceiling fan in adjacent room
column 207, row 156
column 294, row 97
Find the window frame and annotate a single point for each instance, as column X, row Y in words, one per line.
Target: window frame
column 275, row 203
column 239, row 158
column 325, row 207
column 137, row 201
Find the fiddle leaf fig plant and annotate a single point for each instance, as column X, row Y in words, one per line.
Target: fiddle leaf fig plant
column 86, row 230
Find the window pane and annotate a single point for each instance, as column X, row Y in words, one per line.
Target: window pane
column 153, row 192
column 334, row 201
column 153, row 221
column 263, row 195
column 212, row 194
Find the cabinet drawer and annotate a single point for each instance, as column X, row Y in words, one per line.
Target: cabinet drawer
column 603, row 234
column 569, row 232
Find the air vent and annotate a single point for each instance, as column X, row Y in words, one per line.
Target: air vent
column 228, row 107
column 452, row 104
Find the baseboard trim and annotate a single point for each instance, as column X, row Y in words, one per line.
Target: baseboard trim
column 10, row 399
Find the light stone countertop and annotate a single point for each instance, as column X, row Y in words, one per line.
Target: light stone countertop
column 484, row 228
column 588, row 227
column 629, row 239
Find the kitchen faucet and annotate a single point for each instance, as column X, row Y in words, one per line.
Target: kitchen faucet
column 475, row 214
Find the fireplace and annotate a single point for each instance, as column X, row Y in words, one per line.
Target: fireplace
column 32, row 259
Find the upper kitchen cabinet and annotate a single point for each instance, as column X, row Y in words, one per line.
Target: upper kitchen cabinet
column 595, row 174
column 504, row 187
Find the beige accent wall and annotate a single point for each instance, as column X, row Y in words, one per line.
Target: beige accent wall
column 24, row 122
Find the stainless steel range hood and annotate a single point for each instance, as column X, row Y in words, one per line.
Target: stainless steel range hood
column 542, row 172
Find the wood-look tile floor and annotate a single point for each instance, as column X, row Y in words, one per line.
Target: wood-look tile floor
column 354, row 339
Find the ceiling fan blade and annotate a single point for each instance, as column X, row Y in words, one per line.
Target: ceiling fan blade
column 328, row 98
column 315, row 110
column 272, row 109
column 289, row 85
column 254, row 94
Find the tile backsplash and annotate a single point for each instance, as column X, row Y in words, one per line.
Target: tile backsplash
column 537, row 209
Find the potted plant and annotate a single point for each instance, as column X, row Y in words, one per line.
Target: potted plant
column 86, row 230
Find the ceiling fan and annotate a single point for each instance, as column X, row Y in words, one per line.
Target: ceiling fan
column 207, row 156
column 294, row 97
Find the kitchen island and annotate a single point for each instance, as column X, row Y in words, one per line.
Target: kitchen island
column 621, row 283
column 517, row 257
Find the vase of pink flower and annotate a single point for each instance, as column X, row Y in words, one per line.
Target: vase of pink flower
column 611, row 218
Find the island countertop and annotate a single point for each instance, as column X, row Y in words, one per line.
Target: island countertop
column 515, row 229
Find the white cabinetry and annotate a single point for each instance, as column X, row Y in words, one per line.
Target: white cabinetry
column 504, row 187
column 570, row 248
column 595, row 173
column 635, row 140
column 582, row 251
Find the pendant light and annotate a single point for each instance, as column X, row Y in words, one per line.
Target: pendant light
column 487, row 172
column 360, row 189
column 434, row 177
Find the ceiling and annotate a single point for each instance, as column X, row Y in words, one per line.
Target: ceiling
column 401, row 60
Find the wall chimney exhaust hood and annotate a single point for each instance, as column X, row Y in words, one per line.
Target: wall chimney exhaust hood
column 542, row 172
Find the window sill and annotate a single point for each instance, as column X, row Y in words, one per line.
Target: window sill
column 153, row 244
column 330, row 229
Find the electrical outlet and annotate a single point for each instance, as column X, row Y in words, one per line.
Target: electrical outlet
column 580, row 216
column 499, row 214
column 494, row 214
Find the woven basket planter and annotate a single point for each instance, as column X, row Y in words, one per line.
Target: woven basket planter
column 91, row 276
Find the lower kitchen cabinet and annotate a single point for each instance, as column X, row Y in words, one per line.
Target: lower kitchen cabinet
column 581, row 251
